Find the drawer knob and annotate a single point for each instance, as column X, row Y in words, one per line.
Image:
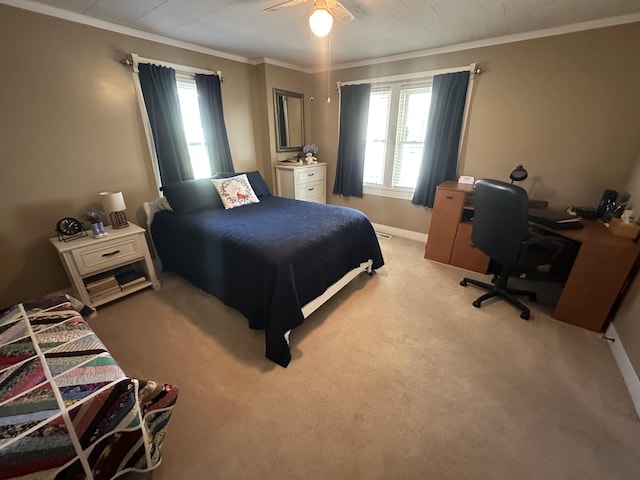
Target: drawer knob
column 310, row 189
column 310, row 174
column 110, row 254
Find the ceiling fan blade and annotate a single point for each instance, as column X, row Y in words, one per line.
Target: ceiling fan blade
column 339, row 11
column 288, row 3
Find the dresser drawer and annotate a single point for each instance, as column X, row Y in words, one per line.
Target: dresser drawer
column 316, row 197
column 91, row 259
column 311, row 191
column 309, row 175
column 302, row 182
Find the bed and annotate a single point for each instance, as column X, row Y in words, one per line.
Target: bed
column 276, row 260
column 67, row 410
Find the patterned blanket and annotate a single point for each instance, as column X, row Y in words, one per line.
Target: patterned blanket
column 66, row 409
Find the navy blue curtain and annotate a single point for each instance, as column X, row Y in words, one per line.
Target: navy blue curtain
column 160, row 94
column 282, row 120
column 352, row 139
column 213, row 127
column 440, row 155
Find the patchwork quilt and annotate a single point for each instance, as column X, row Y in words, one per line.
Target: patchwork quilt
column 67, row 410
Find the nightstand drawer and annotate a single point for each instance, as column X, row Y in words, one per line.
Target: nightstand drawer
column 91, row 259
column 310, row 174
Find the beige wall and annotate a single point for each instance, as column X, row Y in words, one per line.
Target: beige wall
column 627, row 319
column 292, row 81
column 266, row 78
column 565, row 106
column 71, row 127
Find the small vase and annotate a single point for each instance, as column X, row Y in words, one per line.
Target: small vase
column 98, row 230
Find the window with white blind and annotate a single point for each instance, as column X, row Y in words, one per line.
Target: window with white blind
column 377, row 131
column 190, row 110
column 397, row 125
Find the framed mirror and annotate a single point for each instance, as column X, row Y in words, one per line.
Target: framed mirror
column 289, row 111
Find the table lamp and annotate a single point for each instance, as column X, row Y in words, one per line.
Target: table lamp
column 518, row 174
column 113, row 202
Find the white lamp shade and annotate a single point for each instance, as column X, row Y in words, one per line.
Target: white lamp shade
column 321, row 22
column 112, row 201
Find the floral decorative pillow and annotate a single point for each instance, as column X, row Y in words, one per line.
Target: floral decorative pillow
column 235, row 191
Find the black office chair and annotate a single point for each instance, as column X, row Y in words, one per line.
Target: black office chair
column 501, row 230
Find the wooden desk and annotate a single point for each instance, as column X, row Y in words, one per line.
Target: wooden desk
column 449, row 239
column 598, row 275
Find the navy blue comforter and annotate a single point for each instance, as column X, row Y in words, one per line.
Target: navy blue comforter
column 267, row 259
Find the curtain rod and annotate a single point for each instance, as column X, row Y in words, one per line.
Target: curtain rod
column 132, row 60
column 474, row 68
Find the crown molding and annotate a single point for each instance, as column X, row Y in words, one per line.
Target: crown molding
column 519, row 37
column 112, row 27
column 279, row 63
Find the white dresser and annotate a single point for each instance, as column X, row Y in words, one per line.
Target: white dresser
column 302, row 182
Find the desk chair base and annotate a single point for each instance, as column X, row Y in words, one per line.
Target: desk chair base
column 500, row 290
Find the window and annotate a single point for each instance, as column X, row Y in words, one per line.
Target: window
column 188, row 98
column 376, row 148
column 396, row 130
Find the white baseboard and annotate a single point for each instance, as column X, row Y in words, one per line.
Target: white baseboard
column 399, row 232
column 626, row 368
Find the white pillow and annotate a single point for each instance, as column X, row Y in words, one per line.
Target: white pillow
column 235, row 191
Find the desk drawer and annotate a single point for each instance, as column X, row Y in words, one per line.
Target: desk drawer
column 309, row 175
column 465, row 254
column 445, row 216
column 93, row 258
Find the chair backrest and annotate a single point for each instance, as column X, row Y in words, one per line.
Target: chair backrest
column 500, row 219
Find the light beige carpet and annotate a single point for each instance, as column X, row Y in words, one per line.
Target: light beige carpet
column 397, row 377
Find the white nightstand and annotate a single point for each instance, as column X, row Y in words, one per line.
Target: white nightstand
column 89, row 260
column 302, row 182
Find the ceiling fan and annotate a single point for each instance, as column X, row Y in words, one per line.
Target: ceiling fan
column 324, row 11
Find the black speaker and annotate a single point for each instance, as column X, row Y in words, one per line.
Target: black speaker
column 607, row 204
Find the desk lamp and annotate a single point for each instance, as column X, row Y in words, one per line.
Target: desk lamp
column 518, row 174
column 113, row 202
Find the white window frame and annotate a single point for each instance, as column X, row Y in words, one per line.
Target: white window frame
column 187, row 81
column 134, row 60
column 398, row 192
column 393, row 118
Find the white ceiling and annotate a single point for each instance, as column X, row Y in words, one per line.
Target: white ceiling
column 382, row 28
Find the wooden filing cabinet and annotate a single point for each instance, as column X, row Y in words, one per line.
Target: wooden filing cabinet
column 449, row 239
column 302, row 182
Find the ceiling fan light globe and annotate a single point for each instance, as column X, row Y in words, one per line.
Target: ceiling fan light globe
column 320, row 22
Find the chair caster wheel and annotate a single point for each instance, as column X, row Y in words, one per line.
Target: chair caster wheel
column 524, row 315
column 463, row 283
column 476, row 304
column 533, row 297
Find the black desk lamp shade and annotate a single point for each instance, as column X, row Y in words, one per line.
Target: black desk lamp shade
column 518, row 174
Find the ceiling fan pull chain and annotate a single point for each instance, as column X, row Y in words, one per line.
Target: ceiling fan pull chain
column 329, row 68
